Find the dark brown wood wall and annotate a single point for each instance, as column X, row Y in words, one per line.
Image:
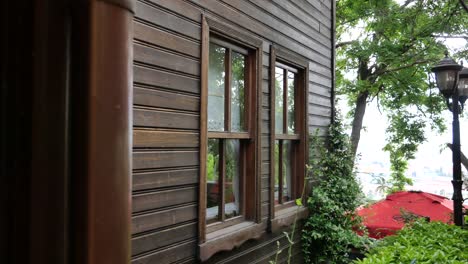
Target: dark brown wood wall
column 166, row 113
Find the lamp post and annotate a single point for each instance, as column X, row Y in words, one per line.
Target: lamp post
column 452, row 82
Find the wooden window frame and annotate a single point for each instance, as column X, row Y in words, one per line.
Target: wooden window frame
column 285, row 214
column 231, row 233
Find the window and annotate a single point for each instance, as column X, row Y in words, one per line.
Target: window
column 288, row 88
column 228, row 132
column 230, row 153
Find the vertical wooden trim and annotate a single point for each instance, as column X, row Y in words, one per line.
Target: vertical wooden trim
column 305, row 131
column 205, row 49
column 227, row 89
column 109, row 126
column 333, row 60
column 242, row 177
column 222, row 179
column 285, row 101
column 280, row 171
column 272, row 132
column 257, row 79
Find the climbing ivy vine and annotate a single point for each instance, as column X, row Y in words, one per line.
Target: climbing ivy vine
column 328, row 232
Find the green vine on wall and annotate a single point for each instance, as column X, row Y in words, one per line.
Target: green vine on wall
column 328, row 232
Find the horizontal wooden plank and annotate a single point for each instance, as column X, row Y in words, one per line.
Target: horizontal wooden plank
column 265, row 168
column 265, row 152
column 265, row 195
column 265, row 126
column 293, row 19
column 247, row 23
column 320, row 130
column 167, row 20
column 288, row 136
column 164, row 79
column 163, row 99
column 164, row 59
column 310, row 7
column 265, row 210
column 158, row 199
column 155, row 220
column 167, row 178
column 265, row 86
column 315, row 89
column 163, row 238
column 265, row 182
column 300, row 13
column 163, row 159
column 166, row 40
column 164, row 139
column 229, row 135
column 318, row 120
column 169, row 255
column 319, row 110
column 180, row 7
column 319, row 100
column 320, row 69
column 163, row 119
column 265, row 113
column 279, row 26
column 320, row 79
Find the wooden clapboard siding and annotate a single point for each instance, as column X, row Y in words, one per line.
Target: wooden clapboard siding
column 155, row 77
column 159, row 219
column 164, row 58
column 161, row 238
column 167, row 50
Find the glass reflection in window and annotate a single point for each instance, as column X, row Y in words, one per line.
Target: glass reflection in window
column 291, row 105
column 279, row 97
column 212, row 181
column 237, row 92
column 216, row 92
column 232, row 191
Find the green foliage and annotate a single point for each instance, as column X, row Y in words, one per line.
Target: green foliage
column 384, row 53
column 210, row 167
column 328, row 232
column 422, row 242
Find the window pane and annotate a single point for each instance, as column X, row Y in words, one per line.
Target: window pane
column 291, row 106
column 232, row 193
column 279, row 95
column 212, row 181
column 287, row 170
column 216, row 75
column 277, row 172
column 237, row 92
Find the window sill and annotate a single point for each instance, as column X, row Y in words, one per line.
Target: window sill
column 230, row 237
column 285, row 217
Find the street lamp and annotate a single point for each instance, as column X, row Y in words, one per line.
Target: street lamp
column 452, row 82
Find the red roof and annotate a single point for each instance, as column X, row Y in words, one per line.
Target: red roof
column 384, row 217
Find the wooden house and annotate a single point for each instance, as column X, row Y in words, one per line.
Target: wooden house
column 159, row 131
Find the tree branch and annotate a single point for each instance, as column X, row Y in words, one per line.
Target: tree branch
column 344, row 43
column 462, row 2
column 464, row 160
column 451, row 37
column 402, row 67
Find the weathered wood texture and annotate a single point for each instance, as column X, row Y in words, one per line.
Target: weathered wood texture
column 167, row 50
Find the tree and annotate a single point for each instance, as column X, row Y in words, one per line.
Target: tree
column 389, row 48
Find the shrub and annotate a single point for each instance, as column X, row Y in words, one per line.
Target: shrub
column 328, row 232
column 422, row 242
